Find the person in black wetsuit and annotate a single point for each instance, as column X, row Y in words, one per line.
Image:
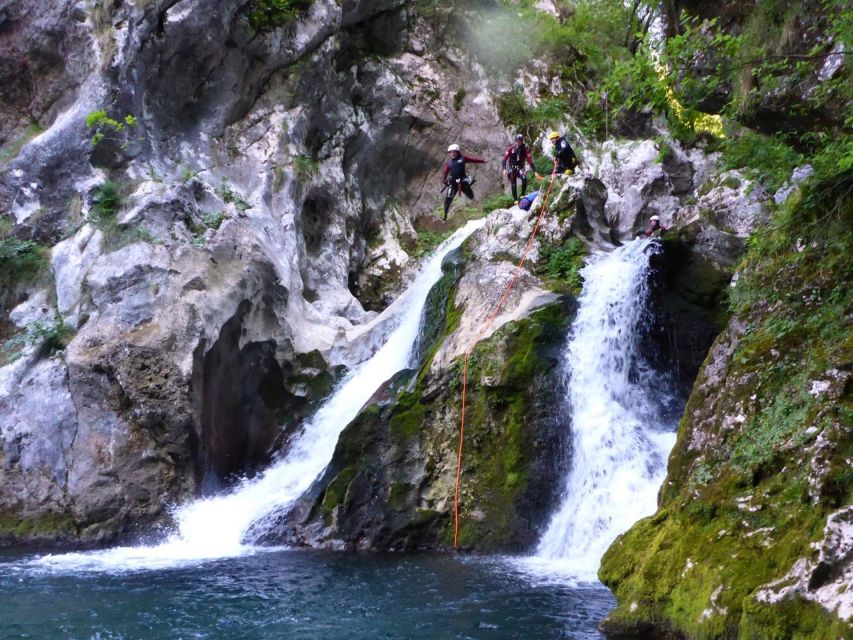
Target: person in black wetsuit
column 564, row 155
column 455, row 177
column 514, row 163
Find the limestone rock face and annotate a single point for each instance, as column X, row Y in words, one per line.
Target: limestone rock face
column 210, row 301
column 390, row 483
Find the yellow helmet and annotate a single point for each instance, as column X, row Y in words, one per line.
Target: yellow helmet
column 553, row 135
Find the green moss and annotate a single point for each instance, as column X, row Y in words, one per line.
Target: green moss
column 792, row 619
column 49, row 526
column 407, row 415
column 499, row 449
column 399, row 494
column 10, row 151
column 739, row 511
column 335, row 492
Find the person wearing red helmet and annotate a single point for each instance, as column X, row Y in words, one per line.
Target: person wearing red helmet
column 514, row 163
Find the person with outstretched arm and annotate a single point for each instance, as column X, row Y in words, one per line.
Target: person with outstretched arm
column 514, row 165
column 564, row 155
column 455, row 177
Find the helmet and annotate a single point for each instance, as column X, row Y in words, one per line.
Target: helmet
column 553, row 135
column 519, row 137
column 654, row 219
column 453, row 147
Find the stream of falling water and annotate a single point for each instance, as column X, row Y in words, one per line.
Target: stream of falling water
column 620, row 441
column 215, row 527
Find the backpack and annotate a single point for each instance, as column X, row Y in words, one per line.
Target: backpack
column 527, row 201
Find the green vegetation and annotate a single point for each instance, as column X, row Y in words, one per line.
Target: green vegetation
column 21, row 262
column 268, row 15
column 104, row 127
column 49, row 337
column 459, row 99
column 768, row 159
column 107, row 200
column 563, row 263
column 14, row 148
column 306, row 167
column 208, row 221
column 229, row 196
column 53, row 526
column 751, row 500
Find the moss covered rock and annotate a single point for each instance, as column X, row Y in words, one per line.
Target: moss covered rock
column 745, row 542
column 391, row 482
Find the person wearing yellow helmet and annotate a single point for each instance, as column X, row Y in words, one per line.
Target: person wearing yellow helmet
column 565, row 160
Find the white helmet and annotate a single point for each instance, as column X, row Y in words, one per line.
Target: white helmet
column 453, row 147
column 654, row 218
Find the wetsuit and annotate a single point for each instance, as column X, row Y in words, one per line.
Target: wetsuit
column 654, row 228
column 564, row 155
column 514, row 161
column 457, row 178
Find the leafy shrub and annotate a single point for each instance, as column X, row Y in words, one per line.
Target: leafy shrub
column 768, row 159
column 21, row 261
column 268, row 15
column 459, row 99
column 514, row 112
column 50, row 337
column 564, row 263
column 106, row 128
column 106, row 201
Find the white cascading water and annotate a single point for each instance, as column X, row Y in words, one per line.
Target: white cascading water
column 214, row 527
column 619, row 441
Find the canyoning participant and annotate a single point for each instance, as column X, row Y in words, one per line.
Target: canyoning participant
column 655, row 228
column 455, row 178
column 565, row 159
column 514, row 163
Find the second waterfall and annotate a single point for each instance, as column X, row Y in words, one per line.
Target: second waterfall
column 620, row 440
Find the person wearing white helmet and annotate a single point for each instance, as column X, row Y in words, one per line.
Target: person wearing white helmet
column 655, row 228
column 455, row 178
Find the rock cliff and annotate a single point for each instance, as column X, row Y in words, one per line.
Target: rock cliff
column 200, row 197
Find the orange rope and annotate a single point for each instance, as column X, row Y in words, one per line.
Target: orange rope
column 491, row 319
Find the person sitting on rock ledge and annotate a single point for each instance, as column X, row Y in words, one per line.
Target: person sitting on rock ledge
column 458, row 178
column 564, row 156
column 514, row 163
column 655, row 228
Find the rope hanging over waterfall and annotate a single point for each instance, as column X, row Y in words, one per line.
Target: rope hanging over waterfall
column 486, row 325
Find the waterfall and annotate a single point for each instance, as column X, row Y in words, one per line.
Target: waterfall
column 620, row 442
column 214, row 527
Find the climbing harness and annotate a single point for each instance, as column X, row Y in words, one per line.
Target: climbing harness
column 486, row 326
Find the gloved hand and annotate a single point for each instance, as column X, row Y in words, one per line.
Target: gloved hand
column 568, row 172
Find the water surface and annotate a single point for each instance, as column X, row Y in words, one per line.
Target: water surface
column 299, row 595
